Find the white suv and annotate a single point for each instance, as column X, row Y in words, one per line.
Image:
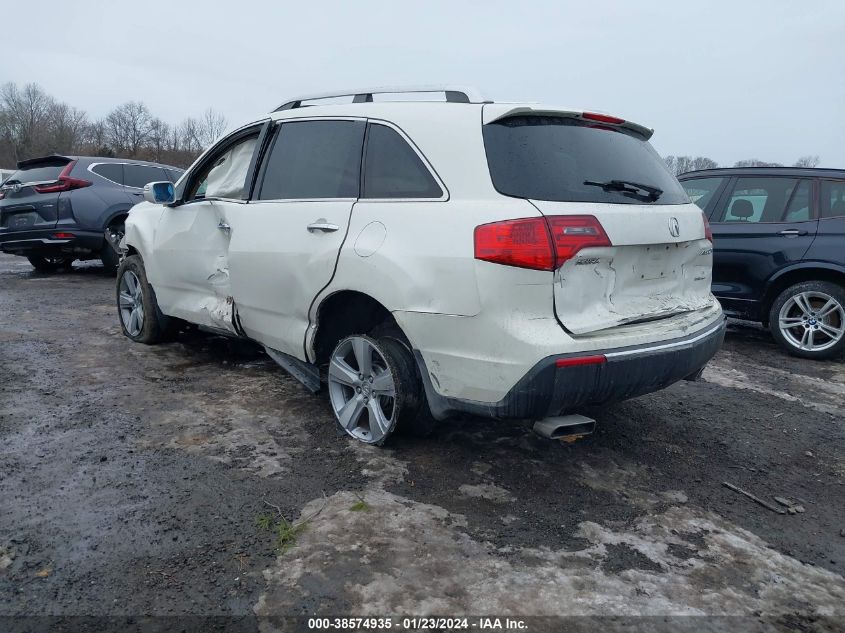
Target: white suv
column 427, row 258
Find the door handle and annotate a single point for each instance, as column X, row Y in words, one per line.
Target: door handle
column 223, row 226
column 322, row 225
column 792, row 233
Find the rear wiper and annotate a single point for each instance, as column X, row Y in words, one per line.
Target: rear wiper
column 628, row 186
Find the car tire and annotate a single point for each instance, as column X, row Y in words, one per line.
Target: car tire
column 109, row 254
column 808, row 319
column 373, row 387
column 48, row 264
column 137, row 308
column 423, row 423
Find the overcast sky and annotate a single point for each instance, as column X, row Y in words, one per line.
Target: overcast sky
column 728, row 80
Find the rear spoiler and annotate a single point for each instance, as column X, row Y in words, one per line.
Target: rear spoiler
column 498, row 111
column 53, row 159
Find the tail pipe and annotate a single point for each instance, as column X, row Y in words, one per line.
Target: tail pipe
column 565, row 427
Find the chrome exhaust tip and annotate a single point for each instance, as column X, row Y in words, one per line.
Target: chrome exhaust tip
column 565, row 427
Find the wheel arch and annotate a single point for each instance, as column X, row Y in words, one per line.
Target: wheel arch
column 806, row 271
column 341, row 313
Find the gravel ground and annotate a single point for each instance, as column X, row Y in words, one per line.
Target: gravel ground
column 197, row 478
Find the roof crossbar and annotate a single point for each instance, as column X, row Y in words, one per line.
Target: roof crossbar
column 454, row 94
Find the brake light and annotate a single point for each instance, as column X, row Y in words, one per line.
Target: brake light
column 543, row 243
column 708, row 232
column 64, row 182
column 602, row 118
column 524, row 243
column 598, row 359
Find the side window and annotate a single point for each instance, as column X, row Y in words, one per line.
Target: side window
column 702, row 190
column 765, row 199
column 392, row 168
column 111, row 171
column 314, row 159
column 798, row 208
column 224, row 176
column 833, row 198
column 139, row 175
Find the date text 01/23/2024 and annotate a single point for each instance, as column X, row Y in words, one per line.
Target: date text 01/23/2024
column 418, row 624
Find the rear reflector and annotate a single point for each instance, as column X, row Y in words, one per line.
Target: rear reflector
column 602, row 118
column 542, row 243
column 63, row 236
column 581, row 360
column 64, row 182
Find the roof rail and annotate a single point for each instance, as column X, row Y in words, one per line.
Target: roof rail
column 454, row 94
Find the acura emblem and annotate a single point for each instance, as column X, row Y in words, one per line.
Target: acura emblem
column 674, row 227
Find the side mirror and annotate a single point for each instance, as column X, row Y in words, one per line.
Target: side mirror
column 159, row 192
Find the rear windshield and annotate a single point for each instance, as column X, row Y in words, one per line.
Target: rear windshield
column 550, row 158
column 36, row 173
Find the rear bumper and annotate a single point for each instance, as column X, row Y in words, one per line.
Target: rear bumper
column 628, row 372
column 44, row 242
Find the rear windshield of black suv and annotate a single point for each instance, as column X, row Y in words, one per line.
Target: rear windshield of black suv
column 551, row 158
column 36, row 173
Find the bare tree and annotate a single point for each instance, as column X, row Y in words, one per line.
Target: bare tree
column 66, row 128
column 807, row 161
column 755, row 162
column 681, row 164
column 26, row 113
column 128, row 127
column 211, row 127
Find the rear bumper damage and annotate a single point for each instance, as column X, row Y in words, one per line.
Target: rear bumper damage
column 561, row 382
column 50, row 242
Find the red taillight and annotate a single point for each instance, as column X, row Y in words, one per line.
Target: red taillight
column 544, row 243
column 602, row 118
column 63, row 236
column 524, row 243
column 64, row 182
column 599, row 359
column 708, row 232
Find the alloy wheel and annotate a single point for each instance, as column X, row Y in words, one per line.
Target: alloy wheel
column 131, row 303
column 812, row 321
column 362, row 390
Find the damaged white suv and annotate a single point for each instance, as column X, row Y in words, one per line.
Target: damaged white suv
column 425, row 258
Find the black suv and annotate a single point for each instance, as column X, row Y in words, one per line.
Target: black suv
column 56, row 209
column 779, row 250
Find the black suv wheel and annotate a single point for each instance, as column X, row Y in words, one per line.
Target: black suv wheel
column 808, row 319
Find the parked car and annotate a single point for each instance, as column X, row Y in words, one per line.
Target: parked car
column 779, row 250
column 56, row 209
column 429, row 258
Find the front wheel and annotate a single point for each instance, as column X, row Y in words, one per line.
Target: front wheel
column 808, row 319
column 372, row 387
column 140, row 317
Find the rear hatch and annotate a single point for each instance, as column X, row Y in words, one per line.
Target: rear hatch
column 630, row 247
column 29, row 197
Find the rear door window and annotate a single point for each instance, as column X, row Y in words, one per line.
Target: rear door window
column 767, row 199
column 832, row 198
column 314, row 160
column 392, row 169
column 702, row 190
column 554, row 158
column 110, row 171
column 139, row 175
